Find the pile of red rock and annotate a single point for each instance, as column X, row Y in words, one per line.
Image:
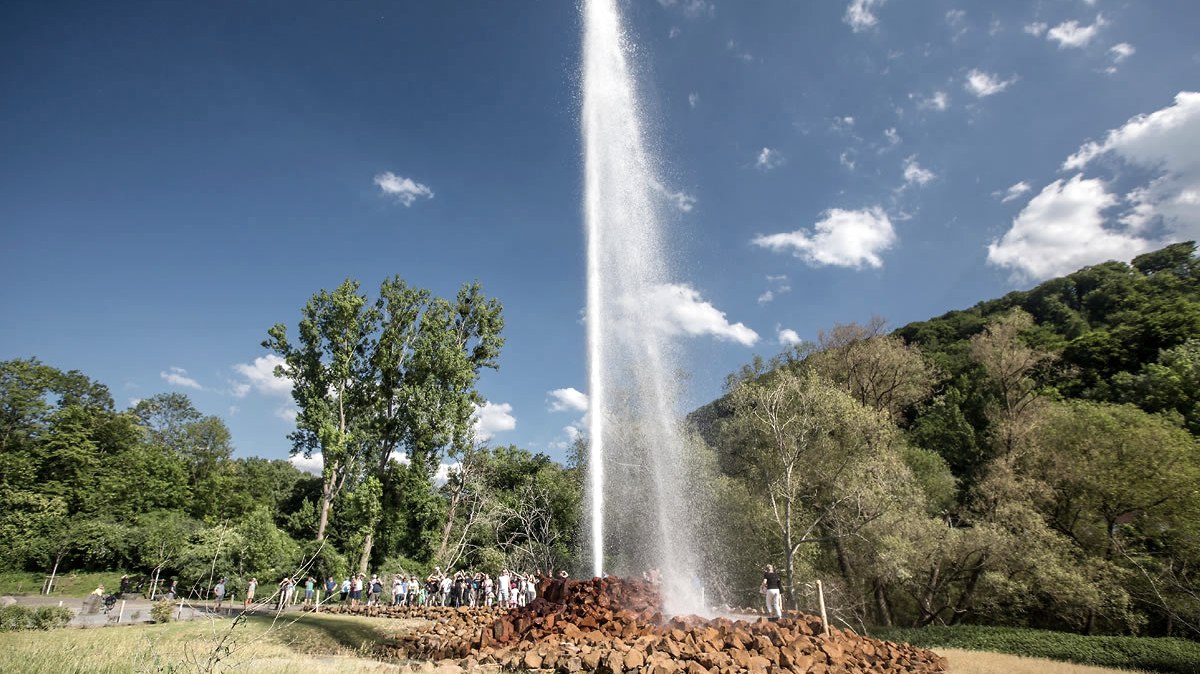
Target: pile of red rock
column 613, row 626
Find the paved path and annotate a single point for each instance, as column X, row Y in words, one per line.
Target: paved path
column 140, row 607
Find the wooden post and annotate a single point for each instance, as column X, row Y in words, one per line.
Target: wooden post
column 179, row 613
column 121, row 613
column 317, row 606
column 821, row 602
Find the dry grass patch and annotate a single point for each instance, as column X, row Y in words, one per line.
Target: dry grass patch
column 982, row 662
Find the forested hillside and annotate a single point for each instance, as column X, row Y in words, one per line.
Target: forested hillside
column 1031, row 460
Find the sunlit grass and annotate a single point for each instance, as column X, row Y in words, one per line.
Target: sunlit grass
column 260, row 645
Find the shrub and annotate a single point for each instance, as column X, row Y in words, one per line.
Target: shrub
column 161, row 611
column 17, row 618
column 1178, row 656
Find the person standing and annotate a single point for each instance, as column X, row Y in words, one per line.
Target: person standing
column 770, row 589
column 310, row 585
column 250, row 589
column 285, row 591
column 345, row 588
column 219, row 592
column 502, row 586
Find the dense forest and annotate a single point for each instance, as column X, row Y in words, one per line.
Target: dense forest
column 1029, row 461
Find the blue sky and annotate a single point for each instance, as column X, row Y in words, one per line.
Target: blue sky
column 177, row 177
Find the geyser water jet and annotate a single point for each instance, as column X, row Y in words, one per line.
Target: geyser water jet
column 641, row 516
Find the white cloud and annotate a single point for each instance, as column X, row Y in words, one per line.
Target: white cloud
column 406, row 190
column 693, row 9
column 892, row 136
column 914, row 174
column 674, row 32
column 1036, row 29
column 568, row 399
column 1166, row 141
column 985, row 84
column 1121, row 51
column 681, row 201
column 177, row 376
column 846, row 159
column 860, row 14
column 288, row 414
column 693, row 99
column 955, row 16
column 842, row 239
column 134, row 401
column 312, row 465
column 260, row 375
column 573, row 432
column 492, row 418
column 1013, row 192
column 1070, row 34
column 788, row 337
column 938, row 101
column 1061, row 230
column 769, row 159
column 678, row 309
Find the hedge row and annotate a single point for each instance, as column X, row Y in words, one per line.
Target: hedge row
column 1179, row 656
column 14, row 618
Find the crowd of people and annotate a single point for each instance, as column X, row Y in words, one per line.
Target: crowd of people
column 509, row 589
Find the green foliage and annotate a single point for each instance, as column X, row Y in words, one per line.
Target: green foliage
column 162, row 611
column 1142, row 653
column 16, row 618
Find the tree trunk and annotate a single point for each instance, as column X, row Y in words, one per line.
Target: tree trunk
column 326, row 503
column 881, row 604
column 365, row 560
column 964, row 600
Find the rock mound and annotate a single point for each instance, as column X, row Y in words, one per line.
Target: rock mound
column 614, row 626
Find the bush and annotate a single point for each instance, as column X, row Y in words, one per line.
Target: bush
column 161, row 611
column 16, row 618
column 1178, row 656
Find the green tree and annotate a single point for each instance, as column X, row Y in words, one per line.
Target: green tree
column 329, row 371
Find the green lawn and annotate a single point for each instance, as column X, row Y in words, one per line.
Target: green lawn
column 70, row 584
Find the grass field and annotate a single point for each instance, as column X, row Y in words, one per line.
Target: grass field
column 65, row 585
column 308, row 643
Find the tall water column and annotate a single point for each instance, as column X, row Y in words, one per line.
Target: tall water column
column 641, row 515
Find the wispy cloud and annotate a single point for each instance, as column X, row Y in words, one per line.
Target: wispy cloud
column 841, row 238
column 1071, row 34
column 692, row 9
column 776, row 286
column 680, row 201
column 768, row 159
column 693, row 100
column 1013, row 192
column 177, row 376
column 938, row 100
column 860, row 14
column 986, row 84
column 914, row 174
column 405, row 190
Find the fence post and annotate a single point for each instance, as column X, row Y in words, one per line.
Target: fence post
column 121, row 613
column 821, row 601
